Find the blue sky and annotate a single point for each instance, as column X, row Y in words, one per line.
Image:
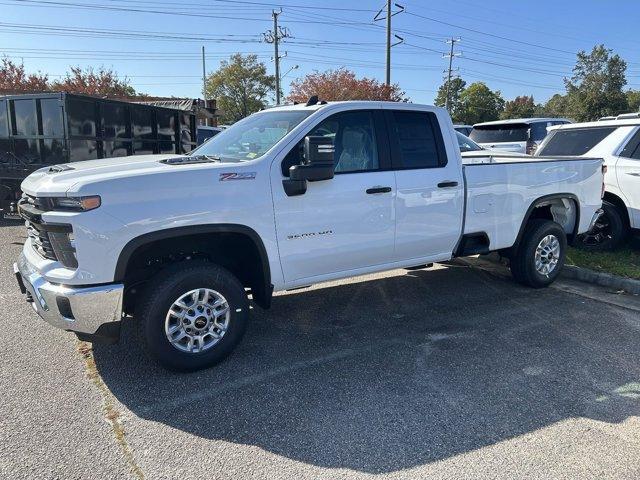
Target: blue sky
column 516, row 47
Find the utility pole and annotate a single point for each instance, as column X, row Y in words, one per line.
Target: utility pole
column 449, row 71
column 274, row 36
column 388, row 77
column 387, row 17
column 204, row 83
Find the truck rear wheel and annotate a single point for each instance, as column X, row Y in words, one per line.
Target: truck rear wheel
column 194, row 314
column 540, row 256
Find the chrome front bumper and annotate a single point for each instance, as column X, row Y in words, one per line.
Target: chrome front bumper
column 84, row 310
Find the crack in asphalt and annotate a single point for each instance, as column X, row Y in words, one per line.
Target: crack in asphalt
column 109, row 410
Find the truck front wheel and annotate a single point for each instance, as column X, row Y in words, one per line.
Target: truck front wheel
column 540, row 256
column 194, row 314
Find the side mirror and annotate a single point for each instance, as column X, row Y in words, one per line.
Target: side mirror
column 318, row 164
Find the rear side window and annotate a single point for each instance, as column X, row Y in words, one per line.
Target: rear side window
column 576, row 141
column 416, row 140
column 516, row 132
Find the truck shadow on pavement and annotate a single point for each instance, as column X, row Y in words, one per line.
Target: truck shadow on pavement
column 384, row 374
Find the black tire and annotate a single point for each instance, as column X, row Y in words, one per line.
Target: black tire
column 609, row 233
column 523, row 260
column 165, row 288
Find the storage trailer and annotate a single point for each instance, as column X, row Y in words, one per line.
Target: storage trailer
column 39, row 130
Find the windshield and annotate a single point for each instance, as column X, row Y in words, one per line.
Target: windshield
column 466, row 144
column 574, row 141
column 251, row 137
column 516, row 132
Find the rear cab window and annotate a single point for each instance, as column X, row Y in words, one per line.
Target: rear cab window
column 416, row 140
column 516, row 132
column 573, row 142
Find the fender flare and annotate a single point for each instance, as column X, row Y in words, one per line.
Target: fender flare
column 538, row 201
column 264, row 290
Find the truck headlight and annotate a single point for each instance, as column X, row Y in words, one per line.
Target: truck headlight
column 76, row 204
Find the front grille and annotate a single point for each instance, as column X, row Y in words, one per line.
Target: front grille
column 41, row 242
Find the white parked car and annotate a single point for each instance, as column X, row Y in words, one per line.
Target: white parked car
column 288, row 197
column 618, row 143
column 520, row 135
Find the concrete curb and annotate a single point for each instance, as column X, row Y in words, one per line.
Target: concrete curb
column 600, row 278
column 588, row 276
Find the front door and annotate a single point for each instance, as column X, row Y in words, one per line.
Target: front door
column 346, row 223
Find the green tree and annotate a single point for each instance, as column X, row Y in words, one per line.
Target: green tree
column 633, row 100
column 455, row 90
column 556, row 106
column 519, row 107
column 241, row 86
column 478, row 103
column 595, row 88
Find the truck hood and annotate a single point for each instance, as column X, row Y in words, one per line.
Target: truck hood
column 57, row 180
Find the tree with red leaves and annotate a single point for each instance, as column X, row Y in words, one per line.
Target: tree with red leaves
column 342, row 84
column 103, row 82
column 14, row 79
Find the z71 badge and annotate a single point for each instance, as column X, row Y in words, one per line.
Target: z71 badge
column 225, row 177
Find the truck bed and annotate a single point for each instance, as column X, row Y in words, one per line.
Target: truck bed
column 501, row 188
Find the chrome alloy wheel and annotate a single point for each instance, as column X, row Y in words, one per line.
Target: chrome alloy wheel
column 547, row 255
column 197, row 320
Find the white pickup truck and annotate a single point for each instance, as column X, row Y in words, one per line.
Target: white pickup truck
column 288, row 197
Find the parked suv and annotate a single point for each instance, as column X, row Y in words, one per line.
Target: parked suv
column 618, row 143
column 521, row 135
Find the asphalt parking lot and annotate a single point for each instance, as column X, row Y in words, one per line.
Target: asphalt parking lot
column 447, row 373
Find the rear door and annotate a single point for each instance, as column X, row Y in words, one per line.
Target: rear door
column 430, row 190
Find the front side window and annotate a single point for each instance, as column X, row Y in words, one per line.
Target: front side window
column 575, row 141
column 354, row 139
column 416, row 140
column 251, row 137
